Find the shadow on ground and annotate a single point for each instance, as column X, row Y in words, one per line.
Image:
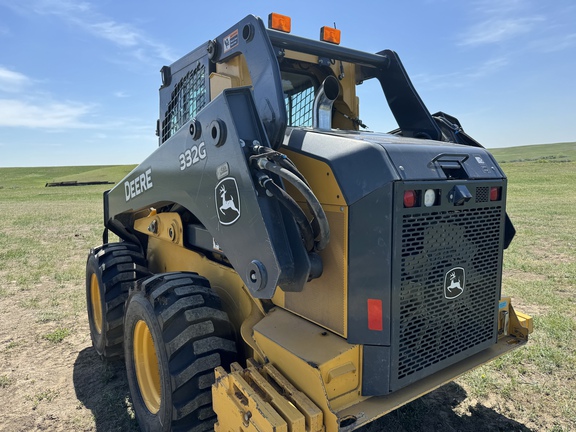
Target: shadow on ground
column 102, row 388
column 435, row 413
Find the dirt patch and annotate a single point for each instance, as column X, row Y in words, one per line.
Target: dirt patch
column 53, row 384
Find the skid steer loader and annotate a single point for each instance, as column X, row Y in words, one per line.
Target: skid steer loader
column 282, row 269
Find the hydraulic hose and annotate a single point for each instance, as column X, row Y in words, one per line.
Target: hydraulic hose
column 315, row 206
column 289, row 165
column 293, row 207
column 280, row 159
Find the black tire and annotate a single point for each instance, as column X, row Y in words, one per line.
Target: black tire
column 190, row 336
column 111, row 270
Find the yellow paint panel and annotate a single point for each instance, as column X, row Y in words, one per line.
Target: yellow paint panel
column 295, row 55
column 347, row 89
column 236, row 68
column 164, row 226
column 320, row 364
column 319, row 175
column 220, row 82
column 525, row 321
column 331, row 312
column 332, row 286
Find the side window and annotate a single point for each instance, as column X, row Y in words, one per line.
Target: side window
column 299, row 98
column 187, row 99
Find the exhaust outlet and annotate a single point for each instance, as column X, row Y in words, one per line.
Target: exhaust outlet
column 322, row 111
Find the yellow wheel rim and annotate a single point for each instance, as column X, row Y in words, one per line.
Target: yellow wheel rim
column 146, row 364
column 96, row 303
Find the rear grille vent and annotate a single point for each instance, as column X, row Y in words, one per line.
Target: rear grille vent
column 482, row 194
column 433, row 331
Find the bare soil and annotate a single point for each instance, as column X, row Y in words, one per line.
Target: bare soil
column 56, row 386
column 65, row 386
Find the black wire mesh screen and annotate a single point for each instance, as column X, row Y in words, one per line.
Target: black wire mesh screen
column 432, row 331
column 188, row 98
column 299, row 108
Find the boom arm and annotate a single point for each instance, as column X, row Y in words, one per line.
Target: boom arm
column 249, row 37
column 204, row 168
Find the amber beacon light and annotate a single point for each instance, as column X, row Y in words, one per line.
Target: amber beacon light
column 280, row 22
column 329, row 34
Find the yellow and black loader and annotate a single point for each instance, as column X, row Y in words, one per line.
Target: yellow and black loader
column 280, row 267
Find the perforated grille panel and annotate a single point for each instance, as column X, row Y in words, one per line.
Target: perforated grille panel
column 482, row 194
column 433, row 331
column 188, row 98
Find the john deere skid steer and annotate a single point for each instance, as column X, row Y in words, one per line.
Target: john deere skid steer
column 280, row 268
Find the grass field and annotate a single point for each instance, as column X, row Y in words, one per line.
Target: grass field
column 51, row 378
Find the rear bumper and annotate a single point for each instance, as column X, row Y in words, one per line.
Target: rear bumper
column 372, row 408
column 327, row 370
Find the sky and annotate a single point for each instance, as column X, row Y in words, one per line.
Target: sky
column 79, row 79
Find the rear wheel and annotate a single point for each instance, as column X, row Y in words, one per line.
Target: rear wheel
column 111, row 270
column 176, row 333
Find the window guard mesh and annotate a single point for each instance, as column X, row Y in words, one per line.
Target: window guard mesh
column 188, row 98
column 299, row 107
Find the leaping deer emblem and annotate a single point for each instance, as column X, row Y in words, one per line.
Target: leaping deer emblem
column 454, row 283
column 227, row 204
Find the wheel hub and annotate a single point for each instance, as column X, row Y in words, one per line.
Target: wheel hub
column 96, row 303
column 146, row 365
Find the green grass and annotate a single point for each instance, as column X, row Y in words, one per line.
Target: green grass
column 12, row 345
column 30, row 302
column 44, row 396
column 45, row 235
column 540, row 275
column 560, row 152
column 5, row 381
column 16, row 178
column 49, row 316
column 57, row 335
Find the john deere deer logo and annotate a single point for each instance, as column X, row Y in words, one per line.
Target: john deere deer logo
column 227, row 201
column 454, row 282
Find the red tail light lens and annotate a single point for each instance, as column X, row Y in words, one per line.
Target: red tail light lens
column 375, row 314
column 410, row 198
column 495, row 193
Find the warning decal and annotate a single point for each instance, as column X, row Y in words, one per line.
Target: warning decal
column 231, row 41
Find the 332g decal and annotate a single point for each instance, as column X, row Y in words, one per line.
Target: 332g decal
column 192, row 156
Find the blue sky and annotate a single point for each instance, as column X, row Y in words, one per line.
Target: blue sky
column 79, row 79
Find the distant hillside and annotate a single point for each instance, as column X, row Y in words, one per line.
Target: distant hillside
column 38, row 177
column 560, row 152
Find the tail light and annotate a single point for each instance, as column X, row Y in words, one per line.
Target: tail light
column 495, row 193
column 410, row 198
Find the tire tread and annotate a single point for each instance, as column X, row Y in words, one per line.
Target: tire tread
column 198, row 336
column 120, row 265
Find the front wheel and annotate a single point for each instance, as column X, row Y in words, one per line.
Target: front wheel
column 176, row 333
